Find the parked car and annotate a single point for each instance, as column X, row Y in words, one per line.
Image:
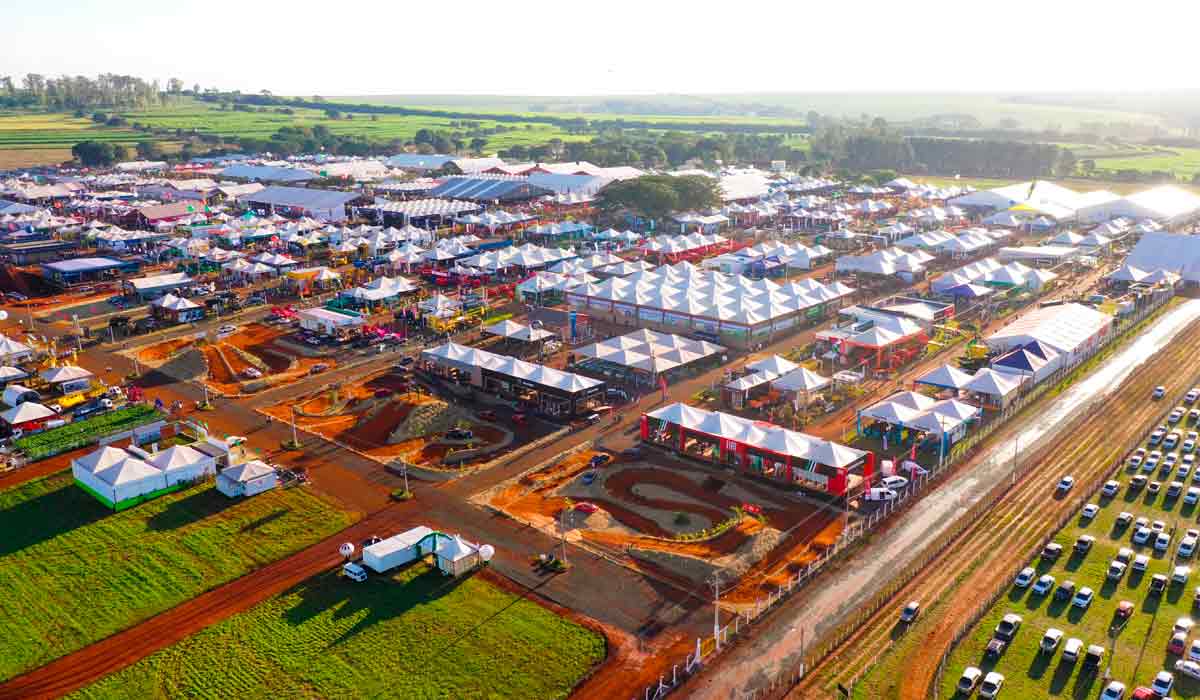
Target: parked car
column 1071, row 649
column 1141, row 562
column 1171, row 441
column 1044, row 585
column 1137, row 483
column 1089, row 511
column 1115, row 690
column 1110, row 489
column 880, row 494
column 1007, row 629
column 893, row 482
column 1174, row 489
column 1177, row 644
column 1192, row 395
column 1124, row 554
column 1153, row 487
column 1051, row 639
column 1158, row 583
column 1123, row 519
column 1163, row 682
column 1159, row 392
column 1083, row 598
column 251, row 373
column 1052, row 551
column 1091, row 660
column 1194, row 650
column 226, row 330
column 991, row 685
column 1183, row 624
column 968, row 680
column 1187, row 547
column 1194, row 415
column 1175, row 414
column 1115, row 571
column 995, row 648
column 1192, row 496
column 1125, row 609
column 1162, row 542
column 1157, row 435
column 1083, row 545
column 1188, row 667
column 1142, row 535
column 318, row 368
column 1024, row 577
column 1065, row 484
column 910, row 611
column 1065, row 590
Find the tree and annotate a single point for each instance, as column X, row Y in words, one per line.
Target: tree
column 148, row 150
column 97, row 154
column 332, row 113
column 174, row 86
column 646, row 196
column 478, row 144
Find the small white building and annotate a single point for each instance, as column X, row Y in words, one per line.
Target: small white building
column 398, row 550
column 247, row 479
column 455, row 556
column 325, row 321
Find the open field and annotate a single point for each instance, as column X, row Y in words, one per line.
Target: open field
column 988, row 108
column 1077, row 184
column 1182, row 162
column 73, row 572
column 1139, row 649
column 415, row 634
column 903, row 662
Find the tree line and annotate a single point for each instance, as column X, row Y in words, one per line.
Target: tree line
column 79, row 92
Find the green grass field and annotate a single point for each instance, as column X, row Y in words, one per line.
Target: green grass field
column 73, row 572
column 416, row 634
column 1139, row 650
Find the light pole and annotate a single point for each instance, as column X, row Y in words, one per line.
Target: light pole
column 715, row 582
column 296, row 439
column 562, row 530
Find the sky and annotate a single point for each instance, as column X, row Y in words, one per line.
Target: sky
column 535, row 47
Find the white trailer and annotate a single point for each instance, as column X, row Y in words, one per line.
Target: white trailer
column 398, row 549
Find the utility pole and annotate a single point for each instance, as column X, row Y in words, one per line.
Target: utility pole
column 295, row 439
column 562, row 530
column 715, row 582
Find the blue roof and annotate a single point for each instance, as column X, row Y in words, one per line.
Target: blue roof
column 84, row 265
column 481, row 189
column 269, row 173
column 1019, row 359
column 1038, row 349
column 301, row 197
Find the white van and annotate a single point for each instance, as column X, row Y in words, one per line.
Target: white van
column 354, row 572
column 880, row 493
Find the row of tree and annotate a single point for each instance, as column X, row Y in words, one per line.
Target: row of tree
column 656, row 196
column 658, row 149
column 877, row 148
column 80, row 92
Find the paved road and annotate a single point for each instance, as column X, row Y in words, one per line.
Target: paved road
column 777, row 645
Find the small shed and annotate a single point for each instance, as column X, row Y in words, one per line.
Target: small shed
column 247, row 479
column 117, row 478
column 67, row 378
column 455, row 556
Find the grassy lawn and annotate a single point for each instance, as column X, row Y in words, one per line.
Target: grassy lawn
column 1139, row 649
column 416, row 634
column 74, row 572
column 1182, row 162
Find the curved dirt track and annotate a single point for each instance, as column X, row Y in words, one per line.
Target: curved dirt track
column 994, row 547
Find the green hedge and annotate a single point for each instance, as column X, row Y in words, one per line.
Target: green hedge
column 84, row 432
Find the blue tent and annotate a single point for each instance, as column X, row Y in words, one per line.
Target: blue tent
column 969, row 291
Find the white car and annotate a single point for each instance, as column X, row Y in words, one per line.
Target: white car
column 1142, row 535
column 1192, row 395
column 1116, row 570
column 1192, row 496
column 226, row 330
column 1110, row 489
column 1151, row 461
column 1065, row 484
column 1163, row 683
column 880, row 494
column 1189, row 445
column 1180, row 574
column 1174, row 416
column 1188, row 667
column 893, row 482
column 1090, row 511
column 252, row 373
column 1051, row 639
column 1044, row 585
column 1193, row 652
column 1141, row 562
column 1083, row 598
column 1115, row 690
column 1025, row 578
column 1159, row 392
column 1187, row 547
column 991, row 685
column 1162, row 542
column 968, row 680
column 1171, row 440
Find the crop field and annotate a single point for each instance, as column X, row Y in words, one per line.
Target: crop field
column 1182, row 162
column 415, row 634
column 74, row 572
column 1137, row 647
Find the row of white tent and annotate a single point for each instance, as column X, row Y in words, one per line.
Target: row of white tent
column 916, row 411
column 380, row 289
column 888, row 261
column 682, row 243
column 468, row 359
column 526, row 256
column 680, row 293
column 493, row 220
column 783, row 374
column 992, row 271
column 650, row 351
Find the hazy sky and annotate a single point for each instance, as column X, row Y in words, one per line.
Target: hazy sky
column 579, row 48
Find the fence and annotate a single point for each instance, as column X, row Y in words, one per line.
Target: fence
column 707, row 648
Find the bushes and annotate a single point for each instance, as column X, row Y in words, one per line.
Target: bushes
column 80, row 433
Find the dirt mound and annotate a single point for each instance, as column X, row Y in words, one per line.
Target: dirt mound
column 375, row 429
column 428, row 419
column 186, row 366
column 699, row 569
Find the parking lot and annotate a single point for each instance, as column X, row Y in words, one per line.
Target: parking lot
column 1125, row 547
